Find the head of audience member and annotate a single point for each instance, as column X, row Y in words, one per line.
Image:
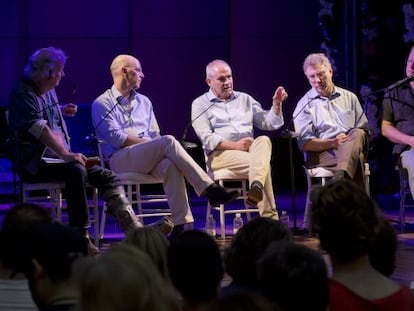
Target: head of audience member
column 124, row 278
column 318, row 70
column 48, row 255
column 219, row 78
column 16, row 227
column 242, row 301
column 293, row 276
column 382, row 254
column 195, row 266
column 247, row 247
column 127, row 73
column 345, row 219
column 152, row 242
column 46, row 68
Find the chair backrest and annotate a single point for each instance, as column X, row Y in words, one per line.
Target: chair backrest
column 104, row 161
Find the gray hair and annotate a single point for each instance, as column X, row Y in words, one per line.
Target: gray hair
column 211, row 67
column 316, row 59
column 43, row 63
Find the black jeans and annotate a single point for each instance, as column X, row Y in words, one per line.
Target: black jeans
column 75, row 176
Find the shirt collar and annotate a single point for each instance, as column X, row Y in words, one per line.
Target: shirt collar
column 119, row 98
column 213, row 98
column 314, row 94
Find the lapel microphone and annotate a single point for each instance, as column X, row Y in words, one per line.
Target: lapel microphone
column 187, row 144
column 286, row 132
column 91, row 138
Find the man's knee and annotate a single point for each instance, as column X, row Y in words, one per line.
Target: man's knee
column 169, row 139
column 263, row 139
column 77, row 171
column 358, row 133
column 264, row 143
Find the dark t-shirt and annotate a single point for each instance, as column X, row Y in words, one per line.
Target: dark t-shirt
column 398, row 108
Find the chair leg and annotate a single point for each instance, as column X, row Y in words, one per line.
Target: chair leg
column 402, row 212
column 222, row 218
column 208, row 212
column 222, row 222
column 244, row 191
column 95, row 203
column 103, row 221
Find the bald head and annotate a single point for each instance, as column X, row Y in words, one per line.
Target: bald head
column 122, row 61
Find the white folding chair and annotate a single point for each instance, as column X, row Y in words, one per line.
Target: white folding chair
column 406, row 199
column 53, row 198
column 232, row 181
column 319, row 176
column 133, row 183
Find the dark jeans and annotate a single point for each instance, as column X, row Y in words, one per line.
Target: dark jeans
column 75, row 177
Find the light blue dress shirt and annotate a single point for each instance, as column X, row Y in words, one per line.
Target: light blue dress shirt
column 216, row 120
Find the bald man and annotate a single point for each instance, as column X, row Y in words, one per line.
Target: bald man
column 125, row 119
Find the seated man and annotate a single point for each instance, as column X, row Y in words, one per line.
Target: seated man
column 223, row 120
column 330, row 122
column 125, row 119
column 35, row 120
column 397, row 120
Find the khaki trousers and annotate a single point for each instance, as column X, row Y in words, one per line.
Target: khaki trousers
column 255, row 164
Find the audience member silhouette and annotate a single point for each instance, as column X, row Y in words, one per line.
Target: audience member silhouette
column 14, row 292
column 242, row 301
column 346, row 220
column 46, row 258
column 152, row 242
column 195, row 266
column 294, row 276
column 124, row 278
column 384, row 248
column 247, row 247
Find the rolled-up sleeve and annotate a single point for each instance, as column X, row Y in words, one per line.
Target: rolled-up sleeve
column 37, row 128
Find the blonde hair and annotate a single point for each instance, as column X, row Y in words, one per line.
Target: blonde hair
column 152, row 242
column 124, row 279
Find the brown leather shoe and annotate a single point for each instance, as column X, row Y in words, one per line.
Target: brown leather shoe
column 255, row 194
column 165, row 225
column 121, row 209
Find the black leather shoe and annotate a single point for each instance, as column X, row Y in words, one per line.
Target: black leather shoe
column 255, row 194
column 218, row 195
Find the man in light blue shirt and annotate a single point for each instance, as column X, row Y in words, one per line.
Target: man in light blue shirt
column 125, row 119
column 330, row 121
column 224, row 119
